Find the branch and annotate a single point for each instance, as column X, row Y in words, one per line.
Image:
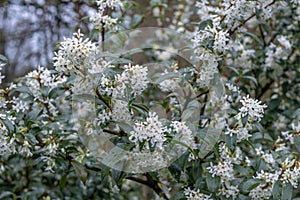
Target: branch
column 246, row 20
column 150, row 182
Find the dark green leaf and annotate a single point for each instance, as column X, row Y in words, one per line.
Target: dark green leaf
column 80, row 171
column 277, row 189
column 250, row 185
column 3, row 60
column 297, row 142
column 213, row 183
column 287, row 192
column 63, row 181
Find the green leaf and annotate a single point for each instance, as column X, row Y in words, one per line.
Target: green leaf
column 117, row 175
column 251, row 78
column 167, row 76
column 10, row 127
column 250, row 184
column 140, row 108
column 235, row 70
column 3, row 60
column 287, row 192
column 230, row 141
column 22, row 89
column 213, row 183
column 125, row 127
column 277, row 189
column 56, row 92
column 62, row 181
column 204, row 24
column 136, row 20
column 175, row 171
column 178, row 195
column 253, row 37
column 208, row 143
column 80, row 171
column 297, row 142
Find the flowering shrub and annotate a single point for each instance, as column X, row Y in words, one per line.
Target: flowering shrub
column 211, row 113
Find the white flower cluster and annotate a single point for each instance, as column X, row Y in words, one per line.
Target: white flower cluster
column 1, row 76
column 25, row 149
column 251, row 108
column 208, row 68
column 183, row 133
column 244, row 54
column 234, row 12
column 237, row 10
column 120, row 111
column 289, row 173
column 73, row 52
column 195, row 194
column 103, row 117
column 7, row 145
column 242, row 133
column 152, row 132
column 261, row 192
column 101, row 19
column 134, row 77
column 42, row 77
column 280, row 51
column 267, row 157
column 224, row 169
column 169, row 85
column 219, row 36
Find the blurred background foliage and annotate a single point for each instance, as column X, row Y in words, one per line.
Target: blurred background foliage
column 30, row 29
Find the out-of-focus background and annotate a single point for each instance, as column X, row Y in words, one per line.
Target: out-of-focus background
column 30, row 29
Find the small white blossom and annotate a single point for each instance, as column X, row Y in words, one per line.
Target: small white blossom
column 103, row 117
column 195, row 194
column 133, row 76
column 152, row 131
column 120, row 111
column 261, row 192
column 252, row 108
column 73, row 52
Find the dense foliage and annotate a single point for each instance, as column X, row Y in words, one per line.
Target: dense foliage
column 204, row 106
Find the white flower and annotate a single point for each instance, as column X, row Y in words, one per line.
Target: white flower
column 224, row 170
column 109, row 3
column 103, row 21
column 284, row 42
column 252, row 108
column 291, row 176
column 168, row 85
column 1, row 77
column 208, row 69
column 103, row 117
column 72, row 53
column 267, row 157
column 261, row 192
column 134, row 77
column 195, row 194
column 269, row 177
column 229, row 190
column 290, row 172
column 7, row 145
column 19, row 105
column 296, row 128
column 151, row 131
column 183, row 133
column 25, row 150
column 120, row 111
column 241, row 132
